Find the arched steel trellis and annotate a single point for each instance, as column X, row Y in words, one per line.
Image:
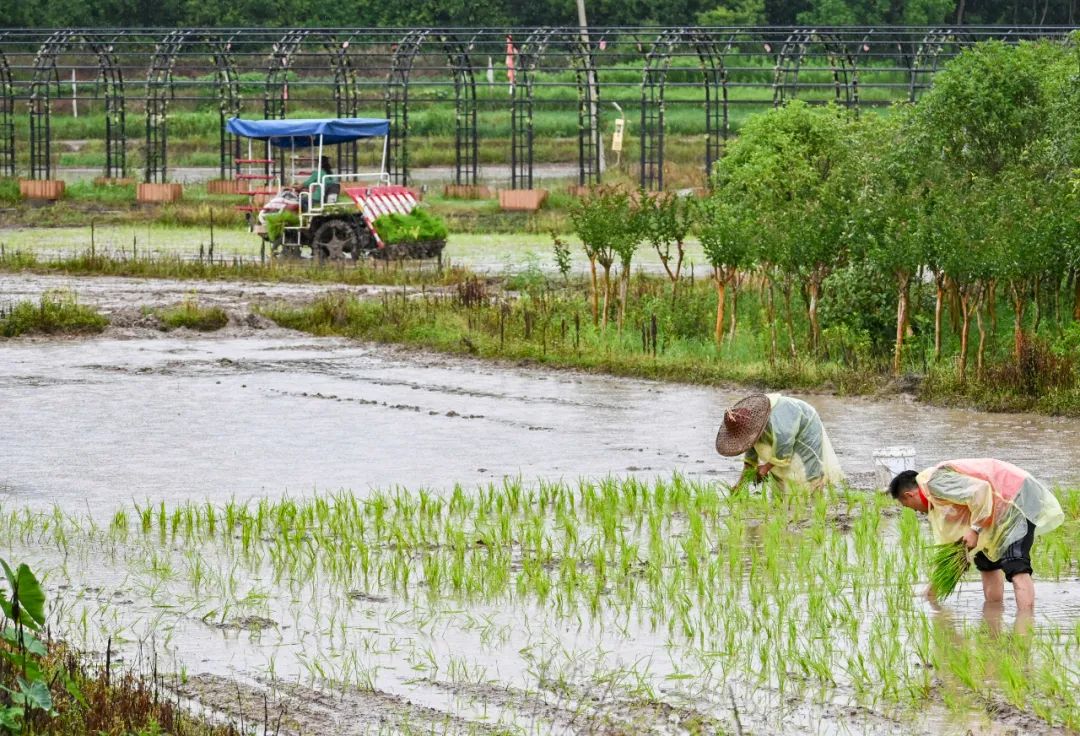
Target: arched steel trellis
column 228, row 95
column 111, row 76
column 45, row 73
column 346, row 95
column 524, row 62
column 276, row 94
column 7, row 112
column 924, row 63
column 795, row 50
column 397, row 103
column 159, row 90
column 465, row 143
column 710, row 54
column 653, row 84
column 588, row 87
column 769, row 65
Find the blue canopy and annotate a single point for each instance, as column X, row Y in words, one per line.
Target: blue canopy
column 300, row 133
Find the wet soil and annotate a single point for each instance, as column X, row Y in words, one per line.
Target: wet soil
column 288, row 709
column 124, row 298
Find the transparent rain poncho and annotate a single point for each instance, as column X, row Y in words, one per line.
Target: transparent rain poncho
column 996, row 494
column 795, row 443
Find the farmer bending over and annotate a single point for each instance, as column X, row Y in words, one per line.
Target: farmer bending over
column 782, row 438
column 994, row 507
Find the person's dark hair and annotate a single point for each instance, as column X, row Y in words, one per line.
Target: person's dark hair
column 905, row 481
column 325, row 164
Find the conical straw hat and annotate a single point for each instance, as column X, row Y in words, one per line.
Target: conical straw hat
column 743, row 424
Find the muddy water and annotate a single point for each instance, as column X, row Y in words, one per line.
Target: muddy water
column 115, row 294
column 99, row 422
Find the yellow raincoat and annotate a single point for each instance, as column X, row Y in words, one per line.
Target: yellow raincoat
column 795, row 443
column 995, row 494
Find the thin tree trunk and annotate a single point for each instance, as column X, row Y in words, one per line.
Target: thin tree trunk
column 607, row 294
column 1038, row 307
column 789, row 317
column 811, row 313
column 1076, row 297
column 960, row 13
column 956, row 307
column 901, row 321
column 991, row 305
column 721, row 286
column 939, row 280
column 664, row 261
column 965, row 327
column 595, row 293
column 770, row 315
column 734, row 307
column 624, row 287
column 1018, row 317
column 980, row 358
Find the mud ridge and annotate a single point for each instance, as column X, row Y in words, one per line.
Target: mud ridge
column 288, row 709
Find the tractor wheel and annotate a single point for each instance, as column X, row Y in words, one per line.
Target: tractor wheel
column 332, row 239
column 364, row 246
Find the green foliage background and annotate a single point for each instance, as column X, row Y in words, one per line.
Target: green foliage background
column 103, row 13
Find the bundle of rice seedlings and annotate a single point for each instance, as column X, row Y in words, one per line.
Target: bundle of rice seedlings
column 948, row 563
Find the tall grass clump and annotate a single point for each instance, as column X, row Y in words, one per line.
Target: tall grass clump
column 55, row 313
column 193, row 316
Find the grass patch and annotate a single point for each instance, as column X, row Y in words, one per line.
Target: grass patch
column 52, row 314
column 661, row 338
column 234, row 268
column 193, row 316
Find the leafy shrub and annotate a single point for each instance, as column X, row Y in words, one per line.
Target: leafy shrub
column 416, row 227
column 25, row 680
column 1036, row 371
column 9, row 191
column 54, row 313
column 862, row 299
column 1068, row 342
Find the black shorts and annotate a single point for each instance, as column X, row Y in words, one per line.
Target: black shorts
column 1015, row 560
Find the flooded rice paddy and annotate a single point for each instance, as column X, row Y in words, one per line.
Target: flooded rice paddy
column 270, row 414
column 359, row 539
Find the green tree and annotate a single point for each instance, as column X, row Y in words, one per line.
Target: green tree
column 724, row 232
column 876, row 12
column 604, row 221
column 783, row 166
column 666, row 219
column 988, row 105
column 889, row 228
column 734, row 13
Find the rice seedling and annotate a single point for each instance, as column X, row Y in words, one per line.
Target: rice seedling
column 948, row 563
column 722, row 584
